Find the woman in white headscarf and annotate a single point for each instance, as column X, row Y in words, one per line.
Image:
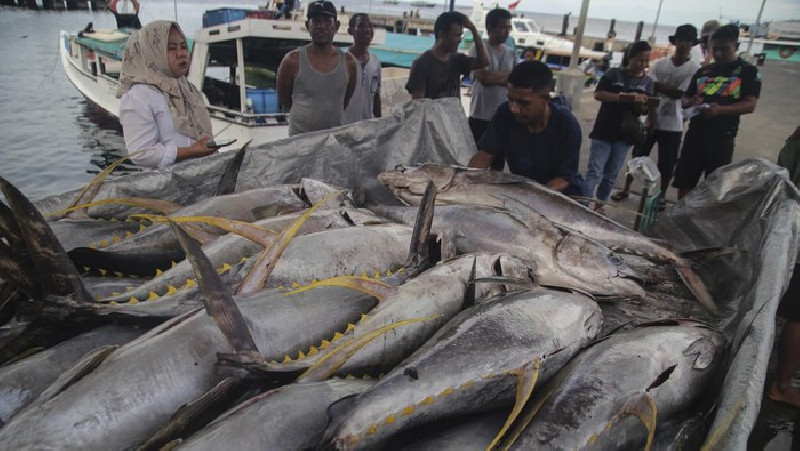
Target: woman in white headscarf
column 164, row 118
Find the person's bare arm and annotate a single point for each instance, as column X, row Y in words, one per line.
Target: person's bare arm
column 669, row 91
column 490, row 78
column 746, row 106
column 196, row 150
column 557, row 184
column 112, row 6
column 352, row 73
column 482, row 159
column 482, row 57
column 605, row 96
column 287, row 72
column 135, row 4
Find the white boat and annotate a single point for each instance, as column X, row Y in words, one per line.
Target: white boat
column 553, row 50
column 233, row 63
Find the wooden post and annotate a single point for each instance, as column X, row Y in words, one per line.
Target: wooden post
column 639, row 27
column 564, row 24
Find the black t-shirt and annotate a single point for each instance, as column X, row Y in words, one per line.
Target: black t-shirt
column 543, row 156
column 436, row 78
column 609, row 116
column 724, row 84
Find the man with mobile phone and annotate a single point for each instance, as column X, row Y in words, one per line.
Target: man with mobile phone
column 730, row 87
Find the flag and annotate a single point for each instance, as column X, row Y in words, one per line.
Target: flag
column 513, row 5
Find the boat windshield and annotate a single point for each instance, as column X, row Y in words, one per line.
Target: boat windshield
column 525, row 26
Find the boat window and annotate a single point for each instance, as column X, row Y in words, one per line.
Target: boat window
column 521, row 25
column 262, row 56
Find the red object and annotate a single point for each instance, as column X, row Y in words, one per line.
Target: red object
column 512, row 6
column 261, row 14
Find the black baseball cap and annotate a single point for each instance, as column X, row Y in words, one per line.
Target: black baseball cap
column 321, row 8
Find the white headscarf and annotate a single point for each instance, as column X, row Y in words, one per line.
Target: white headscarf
column 146, row 62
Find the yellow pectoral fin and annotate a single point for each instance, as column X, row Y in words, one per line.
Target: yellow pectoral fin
column 642, row 407
column 526, row 382
column 366, row 285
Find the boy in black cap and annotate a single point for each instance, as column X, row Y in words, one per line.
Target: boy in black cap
column 721, row 92
column 315, row 82
column 671, row 77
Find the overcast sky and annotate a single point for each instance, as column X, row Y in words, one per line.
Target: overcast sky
column 674, row 12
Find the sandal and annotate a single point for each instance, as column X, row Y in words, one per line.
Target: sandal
column 599, row 209
column 620, row 195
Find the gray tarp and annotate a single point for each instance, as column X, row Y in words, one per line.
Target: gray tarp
column 349, row 156
column 750, row 205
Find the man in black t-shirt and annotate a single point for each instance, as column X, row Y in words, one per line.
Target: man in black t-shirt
column 720, row 92
column 437, row 73
column 539, row 139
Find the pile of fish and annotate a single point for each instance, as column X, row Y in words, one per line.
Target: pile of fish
column 488, row 311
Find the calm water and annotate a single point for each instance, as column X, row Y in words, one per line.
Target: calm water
column 54, row 140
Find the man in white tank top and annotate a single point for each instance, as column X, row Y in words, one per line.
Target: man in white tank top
column 316, row 81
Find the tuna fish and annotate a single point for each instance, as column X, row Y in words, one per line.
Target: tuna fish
column 614, row 395
column 557, row 256
column 156, row 247
column 22, row 381
column 292, row 417
column 437, row 294
column 521, row 195
column 471, row 364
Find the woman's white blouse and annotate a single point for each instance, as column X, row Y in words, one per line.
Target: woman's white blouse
column 147, row 124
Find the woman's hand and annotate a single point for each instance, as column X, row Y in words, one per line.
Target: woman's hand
column 198, row 149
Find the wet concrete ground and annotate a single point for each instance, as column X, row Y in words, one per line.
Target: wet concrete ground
column 761, row 135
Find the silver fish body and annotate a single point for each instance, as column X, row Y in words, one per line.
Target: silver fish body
column 292, row 417
column 469, row 365
column 137, row 388
column 618, row 390
column 557, row 256
column 523, row 196
column 22, row 381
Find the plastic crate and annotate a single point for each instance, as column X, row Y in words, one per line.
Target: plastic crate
column 265, row 101
column 223, row 15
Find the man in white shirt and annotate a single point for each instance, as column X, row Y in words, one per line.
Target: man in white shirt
column 489, row 87
column 671, row 77
column 366, row 100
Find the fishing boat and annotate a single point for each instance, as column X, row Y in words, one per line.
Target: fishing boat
column 423, row 4
column 234, row 60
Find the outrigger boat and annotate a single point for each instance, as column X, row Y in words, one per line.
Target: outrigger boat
column 234, row 62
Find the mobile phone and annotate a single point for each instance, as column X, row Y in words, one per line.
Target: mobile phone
column 218, row 144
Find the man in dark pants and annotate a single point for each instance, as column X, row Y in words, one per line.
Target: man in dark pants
column 538, row 138
column 721, row 92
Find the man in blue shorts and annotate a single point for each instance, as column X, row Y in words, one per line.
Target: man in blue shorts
column 538, row 138
column 721, row 92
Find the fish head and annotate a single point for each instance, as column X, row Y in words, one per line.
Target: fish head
column 705, row 350
column 414, row 179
